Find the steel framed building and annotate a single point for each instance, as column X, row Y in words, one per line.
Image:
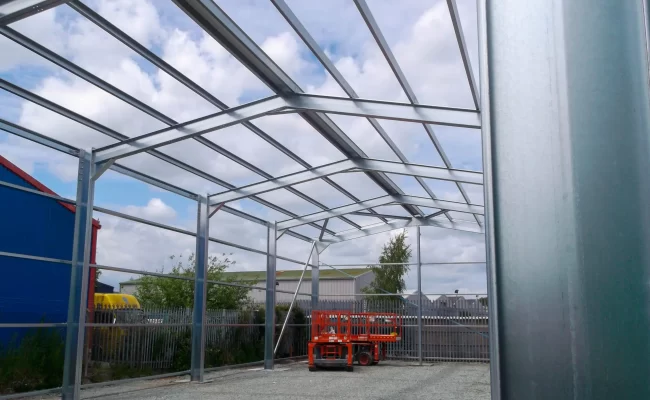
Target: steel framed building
column 564, row 110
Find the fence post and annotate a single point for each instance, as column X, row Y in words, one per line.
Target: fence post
column 269, row 320
column 79, row 274
column 200, row 290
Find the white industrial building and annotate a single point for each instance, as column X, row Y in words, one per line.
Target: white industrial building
column 333, row 284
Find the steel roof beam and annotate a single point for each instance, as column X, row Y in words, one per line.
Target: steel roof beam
column 218, row 25
column 377, row 202
column 190, row 129
column 464, row 53
column 373, row 26
column 256, row 109
column 67, row 149
column 107, row 87
column 385, row 110
column 15, row 10
column 111, row 29
column 386, row 227
column 80, row 72
column 300, row 29
column 346, row 166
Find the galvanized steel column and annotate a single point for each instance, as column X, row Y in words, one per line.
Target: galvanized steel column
column 200, row 290
column 567, row 136
column 419, row 273
column 315, row 278
column 269, row 321
column 79, row 275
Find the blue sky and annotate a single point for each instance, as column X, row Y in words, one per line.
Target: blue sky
column 423, row 43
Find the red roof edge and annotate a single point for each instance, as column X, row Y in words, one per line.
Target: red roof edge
column 39, row 186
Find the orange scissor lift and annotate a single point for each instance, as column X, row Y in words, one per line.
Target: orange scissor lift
column 338, row 338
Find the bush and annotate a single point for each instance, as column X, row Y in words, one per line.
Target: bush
column 33, row 364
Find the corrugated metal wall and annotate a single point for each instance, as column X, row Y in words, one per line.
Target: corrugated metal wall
column 38, row 226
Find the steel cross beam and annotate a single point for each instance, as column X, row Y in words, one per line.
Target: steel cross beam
column 224, row 30
column 190, row 129
column 345, row 166
column 15, row 10
column 380, row 201
column 385, row 110
column 392, row 225
column 297, row 102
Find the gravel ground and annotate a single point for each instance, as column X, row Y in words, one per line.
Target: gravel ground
column 388, row 380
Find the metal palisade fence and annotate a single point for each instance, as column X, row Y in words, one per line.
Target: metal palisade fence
column 159, row 339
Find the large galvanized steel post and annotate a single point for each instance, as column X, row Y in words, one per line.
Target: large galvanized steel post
column 79, row 275
column 419, row 276
column 566, row 130
column 269, row 321
column 200, row 290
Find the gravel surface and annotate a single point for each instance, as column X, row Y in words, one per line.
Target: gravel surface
column 386, row 381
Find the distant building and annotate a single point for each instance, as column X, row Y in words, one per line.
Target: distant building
column 334, row 284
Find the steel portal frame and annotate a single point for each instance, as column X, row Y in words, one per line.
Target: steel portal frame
column 289, row 98
column 571, row 29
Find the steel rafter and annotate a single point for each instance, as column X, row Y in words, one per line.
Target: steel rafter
column 346, row 166
column 377, row 202
column 34, row 98
column 107, row 87
column 219, row 25
column 300, row 29
column 392, row 225
column 259, row 108
column 14, row 10
column 367, row 16
column 67, row 149
column 148, row 55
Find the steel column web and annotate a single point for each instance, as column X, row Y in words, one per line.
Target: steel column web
column 269, row 321
column 569, row 154
column 79, row 275
column 200, row 290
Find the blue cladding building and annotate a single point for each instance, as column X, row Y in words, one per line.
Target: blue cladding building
column 35, row 291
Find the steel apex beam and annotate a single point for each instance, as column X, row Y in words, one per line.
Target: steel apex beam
column 392, row 225
column 385, row 110
column 15, row 10
column 343, row 166
column 380, row 201
column 190, row 129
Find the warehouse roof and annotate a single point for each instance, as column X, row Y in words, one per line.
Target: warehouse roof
column 37, row 185
column 286, row 275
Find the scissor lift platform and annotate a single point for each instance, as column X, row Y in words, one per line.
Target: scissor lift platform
column 338, row 338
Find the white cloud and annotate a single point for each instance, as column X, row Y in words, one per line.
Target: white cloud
column 423, row 44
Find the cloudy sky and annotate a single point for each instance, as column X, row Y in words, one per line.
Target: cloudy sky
column 421, row 36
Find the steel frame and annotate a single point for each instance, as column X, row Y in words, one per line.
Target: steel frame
column 288, row 98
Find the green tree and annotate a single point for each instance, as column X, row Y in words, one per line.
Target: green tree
column 390, row 278
column 158, row 292
column 483, row 301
